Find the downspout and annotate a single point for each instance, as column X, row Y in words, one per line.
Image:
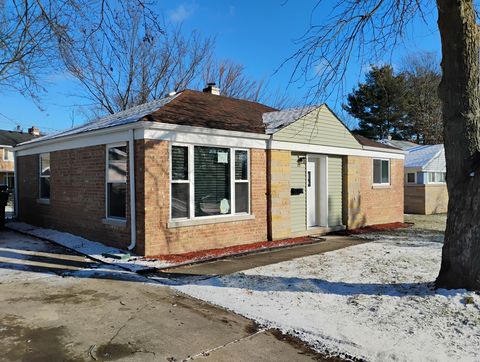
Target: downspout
column 131, row 169
column 15, row 185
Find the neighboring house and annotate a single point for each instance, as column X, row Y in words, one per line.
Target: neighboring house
column 209, row 171
column 403, row 145
column 425, row 180
column 9, row 139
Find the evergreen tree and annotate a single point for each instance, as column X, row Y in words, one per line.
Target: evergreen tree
column 381, row 104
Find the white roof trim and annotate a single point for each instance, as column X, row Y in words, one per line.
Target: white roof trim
column 425, row 166
column 146, row 130
column 329, row 150
column 382, row 149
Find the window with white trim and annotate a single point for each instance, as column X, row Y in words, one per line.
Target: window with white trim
column 436, row 177
column 180, row 206
column 44, row 176
column 116, row 181
column 7, row 155
column 381, row 171
column 209, row 181
column 411, row 178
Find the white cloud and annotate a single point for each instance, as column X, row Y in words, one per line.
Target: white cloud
column 181, row 13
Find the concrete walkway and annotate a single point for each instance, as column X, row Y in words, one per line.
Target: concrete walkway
column 58, row 306
column 235, row 264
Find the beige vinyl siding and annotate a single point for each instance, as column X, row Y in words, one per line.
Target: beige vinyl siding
column 335, row 190
column 319, row 127
column 298, row 212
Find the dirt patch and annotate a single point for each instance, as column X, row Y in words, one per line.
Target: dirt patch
column 252, row 327
column 22, row 342
column 305, row 349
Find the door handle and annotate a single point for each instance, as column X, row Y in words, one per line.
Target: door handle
column 309, row 178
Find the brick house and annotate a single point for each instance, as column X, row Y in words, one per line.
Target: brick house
column 425, row 180
column 196, row 170
column 8, row 140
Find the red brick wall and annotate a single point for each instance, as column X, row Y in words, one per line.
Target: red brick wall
column 366, row 204
column 77, row 195
column 159, row 239
column 77, row 201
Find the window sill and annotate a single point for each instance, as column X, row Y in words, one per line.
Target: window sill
column 115, row 222
column 209, row 220
column 380, row 186
column 43, row 201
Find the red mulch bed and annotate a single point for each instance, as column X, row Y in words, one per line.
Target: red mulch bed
column 376, row 228
column 231, row 250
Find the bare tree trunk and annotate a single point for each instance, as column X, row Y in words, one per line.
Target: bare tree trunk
column 460, row 95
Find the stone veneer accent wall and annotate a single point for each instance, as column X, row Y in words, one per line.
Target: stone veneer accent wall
column 279, row 195
column 365, row 204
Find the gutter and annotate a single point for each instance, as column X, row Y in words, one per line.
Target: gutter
column 131, row 173
column 386, row 150
column 142, row 125
column 15, row 185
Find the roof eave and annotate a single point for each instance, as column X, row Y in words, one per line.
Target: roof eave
column 384, row 149
column 142, row 125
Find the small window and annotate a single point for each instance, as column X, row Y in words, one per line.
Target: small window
column 436, row 177
column 180, row 207
column 241, row 182
column 441, row 177
column 381, row 172
column 44, row 176
column 7, row 155
column 411, row 178
column 117, row 181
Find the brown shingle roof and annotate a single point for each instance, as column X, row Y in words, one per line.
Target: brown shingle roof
column 12, row 138
column 364, row 141
column 199, row 109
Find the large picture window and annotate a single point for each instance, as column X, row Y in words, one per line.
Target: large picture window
column 44, row 176
column 116, row 181
column 381, row 172
column 209, row 181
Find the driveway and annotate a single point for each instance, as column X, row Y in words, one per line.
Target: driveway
column 57, row 306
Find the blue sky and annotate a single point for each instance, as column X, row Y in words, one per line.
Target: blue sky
column 258, row 34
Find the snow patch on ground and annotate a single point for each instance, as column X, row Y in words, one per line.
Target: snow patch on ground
column 90, row 248
column 373, row 301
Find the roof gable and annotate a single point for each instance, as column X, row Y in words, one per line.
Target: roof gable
column 317, row 125
column 427, row 157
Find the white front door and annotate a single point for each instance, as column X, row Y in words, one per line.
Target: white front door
column 312, row 192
